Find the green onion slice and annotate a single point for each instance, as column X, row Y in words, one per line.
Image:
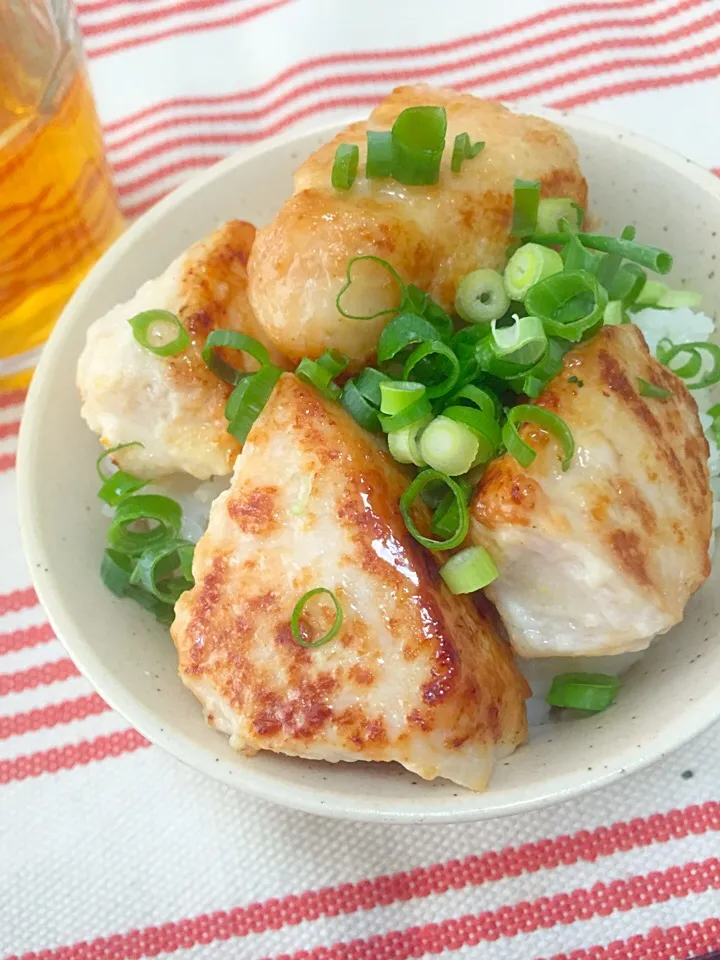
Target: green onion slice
column 469, row 570
column 345, row 164
column 647, row 389
column 164, row 513
column 651, row 293
column 524, row 343
column 115, row 571
column 415, row 490
column 297, row 614
column 418, row 136
column 481, row 296
column 255, row 393
column 403, row 331
column 165, row 570
column 160, row 332
column 369, row 382
column 395, row 395
column 312, row 373
column 526, row 201
column 592, row 692
column 445, row 519
column 443, row 356
column 464, row 149
column 449, row 446
column 108, row 453
column 486, row 429
column 628, row 284
column 714, row 412
column 416, row 410
column 527, row 266
column 571, row 305
column 480, row 397
column 118, row 486
column 614, row 314
column 672, row 299
column 379, row 162
column 403, row 444
column 552, row 210
column 359, row 408
column 533, row 381
column 667, row 354
column 235, row 341
column 546, row 420
column 690, row 367
column 334, row 361
column 348, row 282
column 660, row 261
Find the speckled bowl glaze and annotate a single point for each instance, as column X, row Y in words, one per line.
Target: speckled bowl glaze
column 668, row 697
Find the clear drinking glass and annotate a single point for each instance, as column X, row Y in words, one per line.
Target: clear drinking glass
column 58, row 206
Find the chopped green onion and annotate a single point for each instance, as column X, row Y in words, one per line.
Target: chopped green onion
column 334, row 361
column 234, row 341
column 155, row 570
column 592, row 692
column 255, row 394
column 418, row 409
column 403, row 443
column 628, row 284
column 486, row 430
column 318, row 376
column 571, row 305
column 345, row 164
column 446, row 518
column 395, row 395
column 546, row 420
column 647, row 389
column 526, row 201
column 162, row 511
column 470, row 570
column 349, row 280
column 666, row 354
column 297, row 613
column 404, row 331
column 449, row 446
column 421, row 481
column 464, row 149
column 552, row 210
column 614, row 313
column 418, row 137
column 435, row 315
column 115, row 571
column 672, row 299
column 714, row 412
column 481, row 296
column 660, row 261
column 368, row 383
column 379, row 154
column 479, row 397
column 108, row 453
column 651, row 293
column 524, row 343
column 118, row 486
column 160, row 332
column 533, row 381
column 359, row 408
column 527, row 266
column 445, row 356
column 689, row 368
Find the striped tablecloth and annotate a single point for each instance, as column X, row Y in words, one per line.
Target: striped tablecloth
column 110, row 849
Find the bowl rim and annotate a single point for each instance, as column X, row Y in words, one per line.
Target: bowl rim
column 695, row 718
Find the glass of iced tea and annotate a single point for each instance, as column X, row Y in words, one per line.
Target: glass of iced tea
column 58, row 206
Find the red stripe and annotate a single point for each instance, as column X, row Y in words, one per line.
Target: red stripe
column 17, row 600
column 584, row 846
column 52, row 715
column 234, row 20
column 9, row 429
column 674, row 943
column 542, row 914
column 65, row 758
column 373, row 55
column 137, row 18
column 7, row 462
column 423, row 73
column 634, row 86
column 37, row 676
column 12, row 398
column 24, row 639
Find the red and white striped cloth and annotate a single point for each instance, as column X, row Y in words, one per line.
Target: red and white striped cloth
column 111, row 850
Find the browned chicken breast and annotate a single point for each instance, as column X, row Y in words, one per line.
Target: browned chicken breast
column 432, row 235
column 172, row 405
column 600, row 559
column 414, row 675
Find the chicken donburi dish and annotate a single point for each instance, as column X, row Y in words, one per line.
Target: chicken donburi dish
column 446, row 428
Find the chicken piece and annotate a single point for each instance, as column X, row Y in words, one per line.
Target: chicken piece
column 415, row 674
column 432, row 235
column 602, row 558
column 172, row 405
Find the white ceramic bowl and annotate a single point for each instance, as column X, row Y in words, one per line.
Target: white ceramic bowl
column 667, row 698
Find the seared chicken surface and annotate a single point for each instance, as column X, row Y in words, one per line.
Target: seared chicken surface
column 432, row 235
column 415, row 675
column 600, row 559
column 172, row 405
